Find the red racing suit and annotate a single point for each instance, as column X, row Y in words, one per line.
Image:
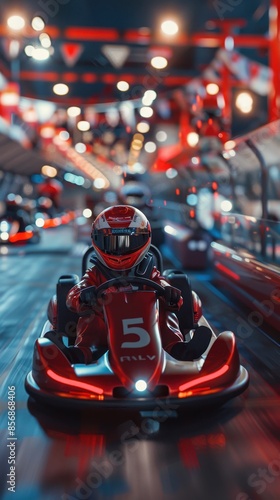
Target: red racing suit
column 91, row 328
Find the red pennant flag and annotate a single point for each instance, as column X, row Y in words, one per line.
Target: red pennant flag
column 71, row 52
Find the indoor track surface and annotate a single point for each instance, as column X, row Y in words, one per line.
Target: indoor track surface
column 230, row 453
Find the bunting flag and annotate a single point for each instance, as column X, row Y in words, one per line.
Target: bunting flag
column 71, row 52
column 256, row 76
column 116, row 54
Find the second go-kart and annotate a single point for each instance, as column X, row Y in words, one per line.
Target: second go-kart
column 134, row 372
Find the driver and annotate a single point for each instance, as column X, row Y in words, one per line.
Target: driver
column 121, row 237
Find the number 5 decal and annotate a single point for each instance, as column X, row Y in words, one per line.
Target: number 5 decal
column 129, row 327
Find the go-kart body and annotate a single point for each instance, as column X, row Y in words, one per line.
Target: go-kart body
column 135, row 371
column 14, row 230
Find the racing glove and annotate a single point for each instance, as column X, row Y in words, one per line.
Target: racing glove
column 173, row 298
column 88, row 296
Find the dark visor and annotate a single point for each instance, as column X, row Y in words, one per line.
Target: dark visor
column 120, row 244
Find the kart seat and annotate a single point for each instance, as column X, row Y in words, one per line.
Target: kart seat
column 185, row 315
column 66, row 319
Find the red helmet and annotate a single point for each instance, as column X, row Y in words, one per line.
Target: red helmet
column 121, row 237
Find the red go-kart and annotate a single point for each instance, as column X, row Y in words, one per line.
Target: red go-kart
column 135, row 372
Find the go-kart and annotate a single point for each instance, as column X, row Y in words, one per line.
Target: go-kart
column 14, row 230
column 134, row 372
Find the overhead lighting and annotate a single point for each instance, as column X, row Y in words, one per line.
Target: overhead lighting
column 60, row 88
column 80, row 147
column 99, row 183
column 169, row 27
column 159, row 62
column 40, row 54
column 146, row 112
column 150, row 147
column 29, row 50
column 212, row 88
column 73, row 111
column 161, row 136
column 49, row 171
column 45, row 40
column 143, row 127
column 16, row 23
column 83, row 125
column 244, row 102
column 192, row 139
column 37, row 23
column 64, row 135
column 122, row 86
column 148, row 97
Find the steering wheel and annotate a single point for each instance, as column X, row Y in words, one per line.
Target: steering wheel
column 134, row 280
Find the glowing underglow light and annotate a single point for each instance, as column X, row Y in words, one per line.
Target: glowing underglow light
column 227, row 271
column 206, row 378
column 74, row 383
column 140, row 385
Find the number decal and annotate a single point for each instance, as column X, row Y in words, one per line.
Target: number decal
column 129, row 327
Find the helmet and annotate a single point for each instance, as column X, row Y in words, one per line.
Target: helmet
column 121, row 237
column 135, row 193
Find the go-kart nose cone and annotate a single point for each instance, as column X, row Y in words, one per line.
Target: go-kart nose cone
column 140, row 385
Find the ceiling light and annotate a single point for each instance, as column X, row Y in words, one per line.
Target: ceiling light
column 212, row 88
column 122, row 86
column 40, row 54
column 159, row 62
column 169, row 27
column 150, row 147
column 143, row 127
column 45, row 40
column 146, row 112
column 16, row 23
column 29, row 50
column 64, row 135
column 149, row 97
column 49, row 171
column 60, row 88
column 161, row 136
column 192, row 139
column 73, row 111
column 244, row 102
column 37, row 23
column 80, row 147
column 83, row 125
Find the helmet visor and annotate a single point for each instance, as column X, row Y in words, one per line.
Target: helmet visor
column 120, row 243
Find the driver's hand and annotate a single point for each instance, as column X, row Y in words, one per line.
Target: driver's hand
column 173, row 298
column 88, row 296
